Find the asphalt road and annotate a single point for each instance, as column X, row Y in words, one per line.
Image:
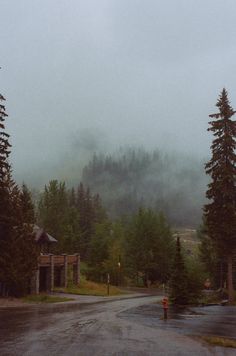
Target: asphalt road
column 115, row 327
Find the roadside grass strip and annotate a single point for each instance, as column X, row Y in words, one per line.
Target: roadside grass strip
column 91, row 288
column 44, row 298
column 219, row 341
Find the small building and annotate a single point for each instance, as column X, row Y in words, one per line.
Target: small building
column 43, row 240
column 52, row 269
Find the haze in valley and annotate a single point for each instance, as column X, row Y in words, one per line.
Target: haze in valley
column 92, row 76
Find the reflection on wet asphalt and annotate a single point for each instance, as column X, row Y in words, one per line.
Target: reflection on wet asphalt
column 122, row 327
column 212, row 320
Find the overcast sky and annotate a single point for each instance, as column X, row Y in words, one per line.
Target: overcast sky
column 122, row 71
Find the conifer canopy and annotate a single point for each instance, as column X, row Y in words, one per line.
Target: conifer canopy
column 220, row 212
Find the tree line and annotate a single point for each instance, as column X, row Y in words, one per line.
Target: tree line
column 171, row 183
column 139, row 249
column 218, row 233
column 134, row 247
column 142, row 244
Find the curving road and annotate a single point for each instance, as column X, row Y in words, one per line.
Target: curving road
column 100, row 327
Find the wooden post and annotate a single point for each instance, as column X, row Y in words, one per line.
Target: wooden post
column 230, row 279
column 37, row 274
column 108, row 283
column 34, row 282
column 76, row 271
column 51, row 273
column 65, row 271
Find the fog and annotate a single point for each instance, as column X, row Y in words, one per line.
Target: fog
column 131, row 178
column 85, row 76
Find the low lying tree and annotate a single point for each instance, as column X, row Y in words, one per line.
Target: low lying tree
column 179, row 292
column 149, row 246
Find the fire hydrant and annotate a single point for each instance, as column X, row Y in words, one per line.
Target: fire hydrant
column 165, row 306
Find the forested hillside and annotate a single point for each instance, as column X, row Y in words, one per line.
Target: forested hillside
column 132, row 178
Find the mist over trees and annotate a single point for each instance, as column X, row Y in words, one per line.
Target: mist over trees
column 130, row 178
column 130, row 238
column 133, row 178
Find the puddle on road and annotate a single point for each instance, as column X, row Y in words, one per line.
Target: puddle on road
column 84, row 323
column 219, row 321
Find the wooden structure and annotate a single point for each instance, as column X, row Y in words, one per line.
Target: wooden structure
column 43, row 239
column 52, row 269
column 53, row 272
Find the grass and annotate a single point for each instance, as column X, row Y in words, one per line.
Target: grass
column 213, row 298
column 44, row 298
column 90, row 288
column 219, row 341
column 216, row 297
column 234, row 302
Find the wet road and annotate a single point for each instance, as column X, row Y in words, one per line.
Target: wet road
column 211, row 320
column 119, row 327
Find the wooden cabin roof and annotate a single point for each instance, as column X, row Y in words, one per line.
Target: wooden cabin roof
column 41, row 236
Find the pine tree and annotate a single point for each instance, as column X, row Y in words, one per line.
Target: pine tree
column 86, row 219
column 72, row 198
column 18, row 256
column 27, row 205
column 53, row 214
column 5, row 173
column 209, row 255
column 99, row 211
column 179, row 294
column 220, row 213
column 148, row 246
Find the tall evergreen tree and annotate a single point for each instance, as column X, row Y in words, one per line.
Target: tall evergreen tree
column 86, row 219
column 18, row 259
column 220, row 212
column 27, row 205
column 5, row 173
column 54, row 213
column 214, row 264
column 148, row 246
column 17, row 249
column 179, row 280
column 72, row 198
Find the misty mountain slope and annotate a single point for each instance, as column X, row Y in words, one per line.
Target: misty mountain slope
column 172, row 183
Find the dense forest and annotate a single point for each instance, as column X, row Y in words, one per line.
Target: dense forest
column 142, row 243
column 137, row 249
column 172, row 183
column 128, row 238
column 120, row 220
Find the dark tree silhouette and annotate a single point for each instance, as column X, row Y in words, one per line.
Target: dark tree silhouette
column 220, row 212
column 179, row 293
column 27, row 205
column 18, row 256
column 5, row 172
